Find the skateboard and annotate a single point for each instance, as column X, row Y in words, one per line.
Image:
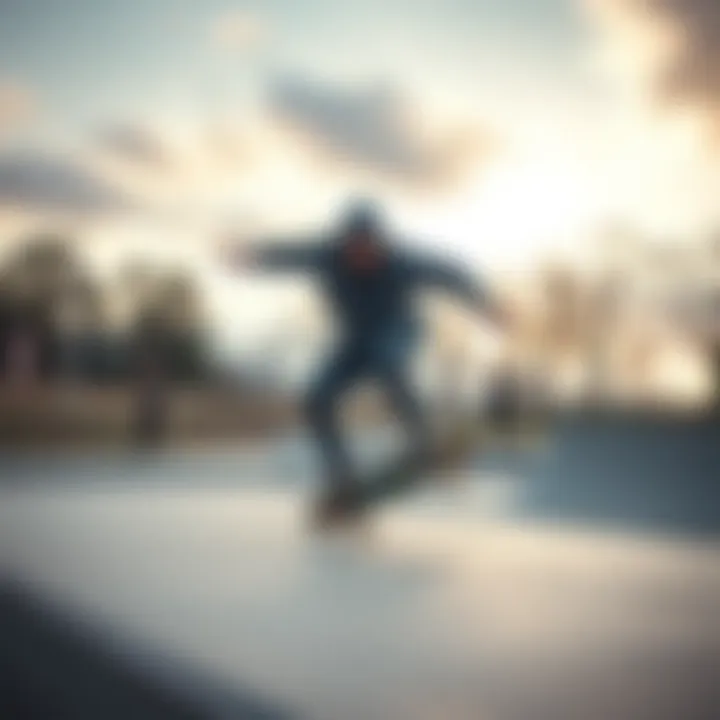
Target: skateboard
column 409, row 471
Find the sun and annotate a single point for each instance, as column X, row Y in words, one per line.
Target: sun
column 516, row 212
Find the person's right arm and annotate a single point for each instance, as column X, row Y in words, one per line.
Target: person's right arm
column 287, row 257
column 278, row 256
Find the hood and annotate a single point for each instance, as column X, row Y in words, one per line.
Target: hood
column 362, row 216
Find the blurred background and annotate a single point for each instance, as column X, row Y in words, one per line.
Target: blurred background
column 564, row 151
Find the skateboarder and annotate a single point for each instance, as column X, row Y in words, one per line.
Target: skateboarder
column 370, row 282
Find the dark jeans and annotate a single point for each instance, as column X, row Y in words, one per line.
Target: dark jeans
column 384, row 359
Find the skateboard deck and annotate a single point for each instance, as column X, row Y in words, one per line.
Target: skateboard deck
column 407, row 472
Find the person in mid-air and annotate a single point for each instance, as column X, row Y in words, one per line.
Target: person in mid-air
column 371, row 283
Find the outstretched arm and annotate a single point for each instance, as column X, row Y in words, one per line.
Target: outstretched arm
column 278, row 256
column 453, row 278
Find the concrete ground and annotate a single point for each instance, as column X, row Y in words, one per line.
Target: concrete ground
column 447, row 607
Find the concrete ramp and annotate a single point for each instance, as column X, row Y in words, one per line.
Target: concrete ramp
column 436, row 614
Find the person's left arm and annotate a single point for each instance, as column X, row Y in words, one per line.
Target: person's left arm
column 452, row 277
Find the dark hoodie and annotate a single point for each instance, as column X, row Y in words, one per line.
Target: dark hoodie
column 371, row 304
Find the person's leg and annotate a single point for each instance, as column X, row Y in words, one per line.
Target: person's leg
column 391, row 366
column 339, row 373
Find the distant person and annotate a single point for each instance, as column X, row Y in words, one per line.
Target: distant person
column 371, row 283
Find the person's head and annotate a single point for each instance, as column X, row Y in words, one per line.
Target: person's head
column 363, row 237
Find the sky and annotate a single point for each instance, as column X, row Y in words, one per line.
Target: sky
column 499, row 130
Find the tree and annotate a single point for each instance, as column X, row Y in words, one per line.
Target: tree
column 172, row 305
column 563, row 300
column 37, row 281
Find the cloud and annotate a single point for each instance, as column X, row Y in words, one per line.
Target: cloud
column 17, row 105
column 238, row 31
column 165, row 160
column 35, row 180
column 672, row 47
column 137, row 144
column 379, row 131
column 302, row 130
